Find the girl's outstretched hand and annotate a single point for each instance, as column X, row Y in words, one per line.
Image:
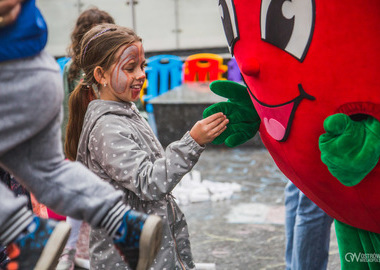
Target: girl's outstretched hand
column 244, row 120
column 206, row 130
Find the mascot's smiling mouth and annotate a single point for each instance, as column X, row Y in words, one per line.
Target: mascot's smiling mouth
column 278, row 118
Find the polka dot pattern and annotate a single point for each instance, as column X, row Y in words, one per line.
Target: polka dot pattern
column 119, row 146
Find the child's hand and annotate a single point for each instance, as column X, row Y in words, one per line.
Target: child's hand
column 244, row 120
column 206, row 130
column 9, row 11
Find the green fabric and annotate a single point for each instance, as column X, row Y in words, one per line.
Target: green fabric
column 350, row 149
column 358, row 249
column 243, row 118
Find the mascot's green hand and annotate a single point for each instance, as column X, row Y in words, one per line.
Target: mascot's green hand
column 350, row 149
column 243, row 118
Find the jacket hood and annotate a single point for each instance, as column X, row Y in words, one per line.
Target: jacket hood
column 97, row 109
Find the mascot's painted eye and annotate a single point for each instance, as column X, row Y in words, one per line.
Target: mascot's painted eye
column 227, row 13
column 288, row 25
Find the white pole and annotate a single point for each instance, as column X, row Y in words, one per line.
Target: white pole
column 133, row 17
column 176, row 21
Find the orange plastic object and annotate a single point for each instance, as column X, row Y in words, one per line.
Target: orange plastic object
column 143, row 93
column 203, row 67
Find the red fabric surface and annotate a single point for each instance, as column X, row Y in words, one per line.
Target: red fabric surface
column 52, row 214
column 341, row 70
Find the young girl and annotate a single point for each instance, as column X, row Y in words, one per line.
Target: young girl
column 118, row 145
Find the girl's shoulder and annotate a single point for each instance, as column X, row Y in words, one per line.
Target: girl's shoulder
column 106, row 114
column 109, row 122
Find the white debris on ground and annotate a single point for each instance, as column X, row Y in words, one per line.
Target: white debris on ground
column 193, row 189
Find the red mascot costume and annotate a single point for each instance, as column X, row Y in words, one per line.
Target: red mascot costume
column 312, row 72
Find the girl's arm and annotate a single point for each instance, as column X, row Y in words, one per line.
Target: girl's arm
column 122, row 155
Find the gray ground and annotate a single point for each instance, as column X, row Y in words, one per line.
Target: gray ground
column 246, row 232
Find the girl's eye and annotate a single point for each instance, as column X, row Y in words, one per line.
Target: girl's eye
column 288, row 25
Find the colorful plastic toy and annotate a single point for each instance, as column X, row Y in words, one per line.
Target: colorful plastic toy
column 203, row 67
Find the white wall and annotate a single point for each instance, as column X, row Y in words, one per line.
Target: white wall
column 156, row 21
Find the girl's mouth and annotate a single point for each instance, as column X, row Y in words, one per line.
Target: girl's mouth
column 135, row 91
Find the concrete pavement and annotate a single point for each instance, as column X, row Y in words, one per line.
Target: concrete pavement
column 247, row 231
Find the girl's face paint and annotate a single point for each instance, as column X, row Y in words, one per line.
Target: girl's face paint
column 127, row 74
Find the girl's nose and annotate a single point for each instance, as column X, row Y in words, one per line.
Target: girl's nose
column 141, row 75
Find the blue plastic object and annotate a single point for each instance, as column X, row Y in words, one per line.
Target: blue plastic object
column 164, row 72
column 62, row 62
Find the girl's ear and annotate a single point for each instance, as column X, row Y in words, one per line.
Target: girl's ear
column 99, row 74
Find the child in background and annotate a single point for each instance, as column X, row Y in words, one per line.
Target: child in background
column 72, row 75
column 118, row 145
column 31, row 97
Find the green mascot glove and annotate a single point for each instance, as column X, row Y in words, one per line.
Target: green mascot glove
column 350, row 149
column 243, row 118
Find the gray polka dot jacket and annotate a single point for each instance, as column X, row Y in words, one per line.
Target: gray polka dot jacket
column 118, row 145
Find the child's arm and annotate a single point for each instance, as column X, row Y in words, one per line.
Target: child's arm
column 135, row 159
column 206, row 130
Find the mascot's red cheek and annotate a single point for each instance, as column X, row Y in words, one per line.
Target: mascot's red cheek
column 339, row 72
